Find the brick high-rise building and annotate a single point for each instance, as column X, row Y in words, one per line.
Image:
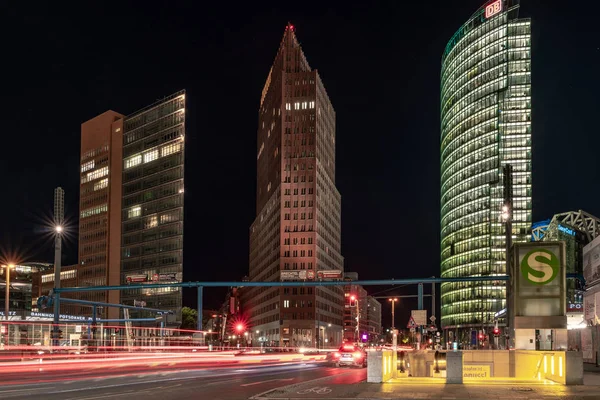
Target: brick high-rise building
column 297, row 227
column 100, row 209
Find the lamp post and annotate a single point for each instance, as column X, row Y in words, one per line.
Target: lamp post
column 393, row 300
column 7, row 269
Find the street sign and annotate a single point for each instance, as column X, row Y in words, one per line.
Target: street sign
column 419, row 316
column 432, row 318
column 411, row 323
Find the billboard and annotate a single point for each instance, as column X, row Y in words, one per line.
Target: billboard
column 540, row 279
column 330, row 274
column 591, row 262
column 302, row 275
column 136, row 278
column 168, row 276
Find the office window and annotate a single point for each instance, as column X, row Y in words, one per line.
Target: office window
column 134, row 212
column 151, row 156
column 133, row 161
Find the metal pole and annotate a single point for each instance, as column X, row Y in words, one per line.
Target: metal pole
column 393, row 319
column 199, row 324
column 433, row 301
column 420, row 293
column 7, row 296
column 59, row 212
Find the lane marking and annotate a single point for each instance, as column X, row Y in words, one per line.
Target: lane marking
column 270, row 380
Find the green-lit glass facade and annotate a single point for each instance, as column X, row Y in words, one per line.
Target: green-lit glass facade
column 485, row 124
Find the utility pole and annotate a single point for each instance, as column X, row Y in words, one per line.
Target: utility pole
column 59, row 216
column 507, row 216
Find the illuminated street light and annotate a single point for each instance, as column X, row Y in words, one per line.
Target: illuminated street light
column 246, row 334
column 257, row 332
column 58, row 228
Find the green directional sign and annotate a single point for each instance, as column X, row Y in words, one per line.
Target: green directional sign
column 540, row 266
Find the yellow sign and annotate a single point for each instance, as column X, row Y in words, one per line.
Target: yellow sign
column 477, row 371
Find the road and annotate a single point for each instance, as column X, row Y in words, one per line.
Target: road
column 165, row 382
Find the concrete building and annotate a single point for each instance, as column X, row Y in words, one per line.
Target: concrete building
column 485, row 125
column 42, row 282
column 297, row 228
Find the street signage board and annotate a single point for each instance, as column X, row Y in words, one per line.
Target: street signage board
column 540, row 279
column 432, row 318
column 411, row 323
column 419, row 316
column 329, row 274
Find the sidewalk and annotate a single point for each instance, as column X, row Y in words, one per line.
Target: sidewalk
column 337, row 388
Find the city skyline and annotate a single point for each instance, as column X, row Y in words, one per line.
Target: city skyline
column 368, row 172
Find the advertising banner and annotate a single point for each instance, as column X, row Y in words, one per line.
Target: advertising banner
column 591, row 262
column 330, row 274
column 289, row 275
column 540, row 279
column 136, row 278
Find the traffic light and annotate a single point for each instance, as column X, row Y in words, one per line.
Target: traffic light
column 352, row 300
column 481, row 336
column 496, row 331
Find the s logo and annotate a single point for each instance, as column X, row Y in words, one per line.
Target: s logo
column 540, row 266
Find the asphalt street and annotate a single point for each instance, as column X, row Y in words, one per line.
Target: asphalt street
column 175, row 382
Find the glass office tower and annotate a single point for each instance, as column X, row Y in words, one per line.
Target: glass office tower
column 485, row 124
column 152, row 205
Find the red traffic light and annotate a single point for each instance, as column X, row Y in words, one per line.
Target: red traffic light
column 353, row 297
column 496, row 331
column 239, row 327
column 480, row 336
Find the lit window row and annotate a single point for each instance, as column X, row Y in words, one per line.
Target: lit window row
column 87, row 166
column 94, row 211
column 102, row 184
column 152, row 155
column 99, row 173
column 71, row 274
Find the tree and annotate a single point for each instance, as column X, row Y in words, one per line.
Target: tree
column 189, row 318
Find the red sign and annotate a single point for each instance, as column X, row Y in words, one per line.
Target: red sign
column 493, row 8
column 575, row 307
column 136, row 278
column 330, row 274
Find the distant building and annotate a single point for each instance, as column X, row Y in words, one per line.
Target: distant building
column 373, row 319
column 21, row 292
column 356, row 318
column 297, row 231
column 43, row 283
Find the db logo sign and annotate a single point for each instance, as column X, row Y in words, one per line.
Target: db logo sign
column 493, row 8
column 540, row 266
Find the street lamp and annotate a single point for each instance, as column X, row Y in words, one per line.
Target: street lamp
column 393, row 300
column 7, row 269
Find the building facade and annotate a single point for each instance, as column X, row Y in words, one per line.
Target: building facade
column 152, row 204
column 356, row 318
column 485, row 125
column 297, row 227
column 100, row 210
column 22, row 290
column 374, row 328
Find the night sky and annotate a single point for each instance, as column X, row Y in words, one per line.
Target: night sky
column 380, row 63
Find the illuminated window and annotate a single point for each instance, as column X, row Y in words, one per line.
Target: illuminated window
column 99, row 173
column 304, row 104
column 94, row 211
column 87, row 166
column 151, row 222
column 311, row 104
column 101, row 184
column 288, row 106
column 151, row 156
column 134, row 212
column 133, row 161
column 286, row 304
column 170, row 149
column 296, row 106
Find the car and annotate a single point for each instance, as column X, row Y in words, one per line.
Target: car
column 350, row 355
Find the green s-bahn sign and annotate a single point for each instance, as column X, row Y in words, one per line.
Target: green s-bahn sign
column 540, row 266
